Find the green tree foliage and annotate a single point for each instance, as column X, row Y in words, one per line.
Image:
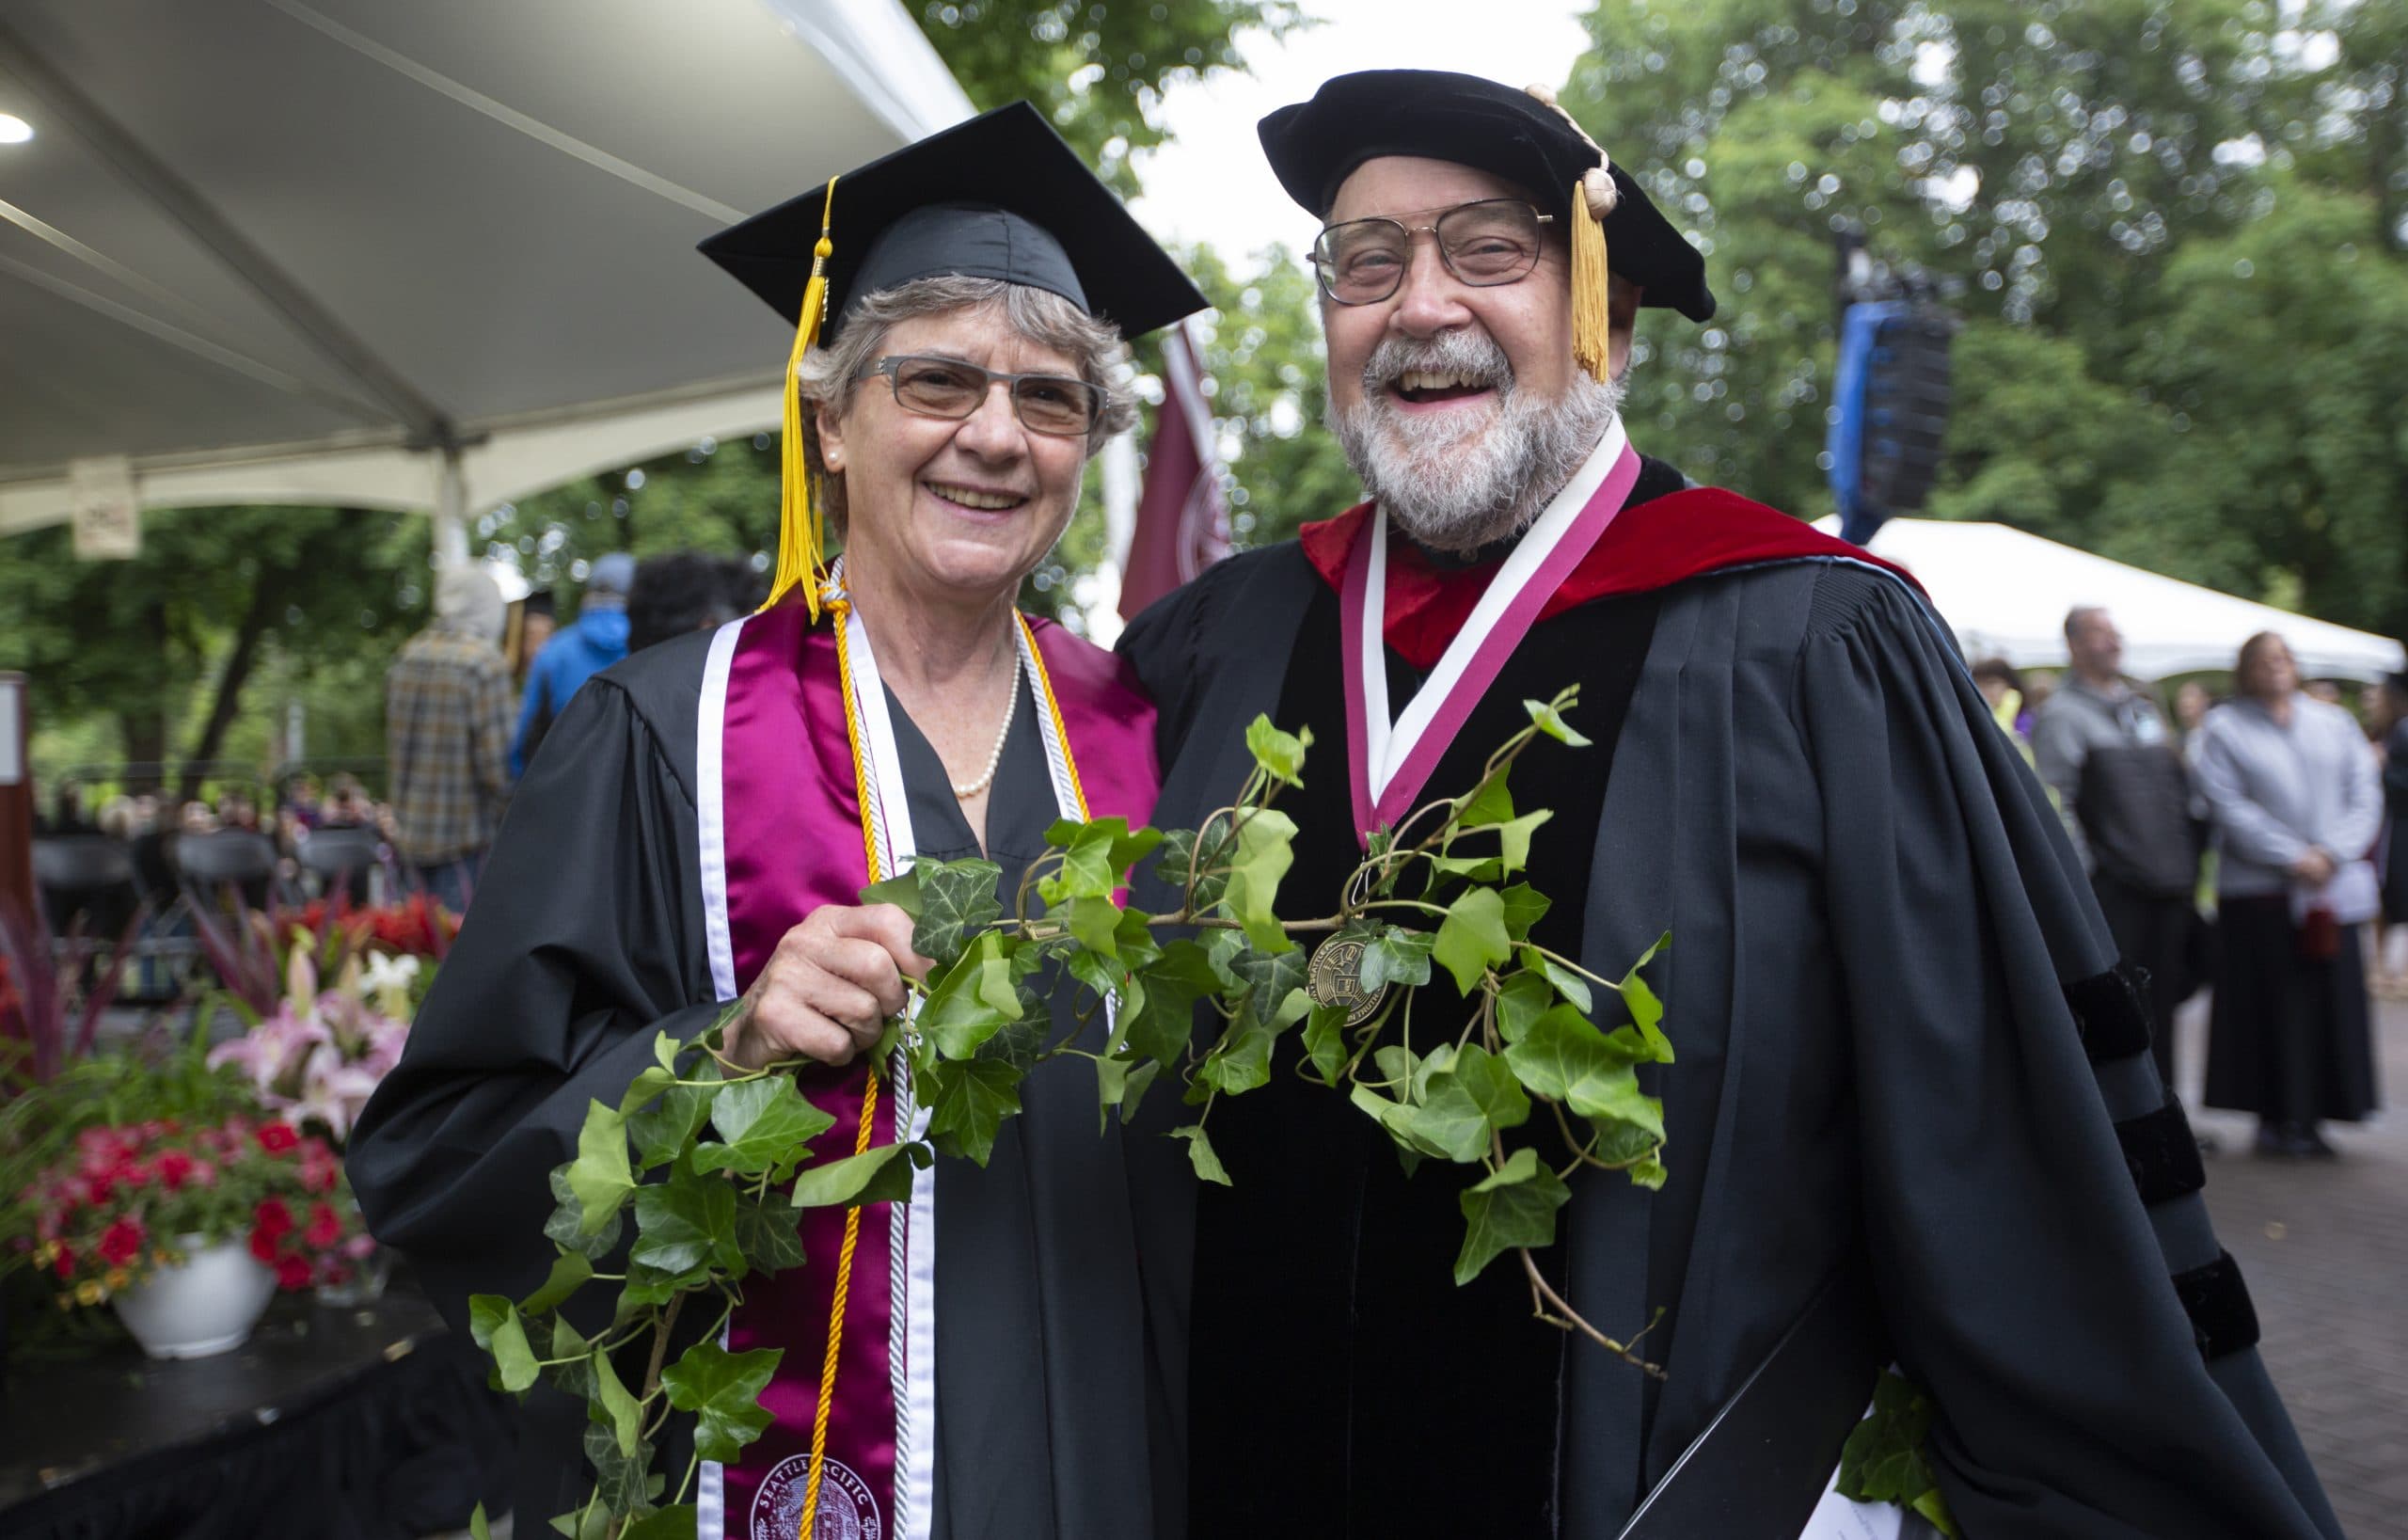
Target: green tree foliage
column 1096, row 68
column 165, row 645
column 2181, row 233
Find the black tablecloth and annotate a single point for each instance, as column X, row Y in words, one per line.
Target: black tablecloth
column 335, row 1424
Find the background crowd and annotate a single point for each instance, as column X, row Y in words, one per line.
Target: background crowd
column 2244, row 842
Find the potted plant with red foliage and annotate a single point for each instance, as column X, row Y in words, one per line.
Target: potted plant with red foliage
column 188, row 1231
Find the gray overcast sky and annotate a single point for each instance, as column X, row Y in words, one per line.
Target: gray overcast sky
column 1209, row 183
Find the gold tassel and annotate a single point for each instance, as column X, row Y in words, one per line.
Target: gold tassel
column 1592, row 292
column 803, row 540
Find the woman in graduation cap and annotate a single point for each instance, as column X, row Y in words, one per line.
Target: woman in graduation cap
column 700, row 825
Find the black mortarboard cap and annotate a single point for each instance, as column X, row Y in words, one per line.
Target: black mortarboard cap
column 998, row 197
column 1314, row 146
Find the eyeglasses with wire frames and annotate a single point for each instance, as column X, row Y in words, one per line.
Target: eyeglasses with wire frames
column 1492, row 242
column 948, row 388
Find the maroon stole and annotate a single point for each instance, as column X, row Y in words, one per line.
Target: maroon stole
column 781, row 834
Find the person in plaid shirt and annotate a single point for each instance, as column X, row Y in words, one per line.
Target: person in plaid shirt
column 446, row 736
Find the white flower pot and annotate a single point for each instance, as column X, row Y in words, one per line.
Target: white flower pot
column 209, row 1305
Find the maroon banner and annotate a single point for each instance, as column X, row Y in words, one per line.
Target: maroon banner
column 1183, row 526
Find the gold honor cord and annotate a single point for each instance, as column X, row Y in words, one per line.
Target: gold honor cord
column 840, row 608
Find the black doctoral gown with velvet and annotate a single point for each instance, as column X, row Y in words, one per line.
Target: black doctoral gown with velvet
column 585, row 939
column 1901, row 1049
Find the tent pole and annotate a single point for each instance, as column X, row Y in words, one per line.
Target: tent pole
column 450, row 510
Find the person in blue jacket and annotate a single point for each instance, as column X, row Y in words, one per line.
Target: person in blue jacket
column 598, row 640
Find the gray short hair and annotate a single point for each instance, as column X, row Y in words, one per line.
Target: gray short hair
column 831, row 374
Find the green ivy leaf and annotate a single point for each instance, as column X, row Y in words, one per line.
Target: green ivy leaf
column 1161, row 1028
column 968, row 1104
column 1280, row 755
column 495, row 1325
column 957, row 902
column 569, row 1273
column 1111, row 1089
column 1086, row 870
column 1265, row 850
column 1567, row 983
column 1525, row 906
column 1471, row 937
column 646, row 1086
column 567, row 1226
column 1646, row 1011
column 762, row 1123
column 769, row 1232
column 874, row 1176
column 664, row 1050
column 1397, row 955
column 1551, row 723
column 1490, row 803
column 686, row 1222
column 661, row 1132
column 1884, row 1459
column 1513, row 840
column 1562, row 1055
column 624, row 1480
column 723, row 1391
column 1178, row 854
column 672, row 1523
column 621, row 1414
column 1096, row 922
column 1325, row 1042
column 903, row 892
column 600, row 1176
column 572, row 1372
column 1201, row 1153
column 1270, row 977
column 1523, row 997
column 975, row 998
column 478, row 1527
column 1491, row 1084
column 1513, row 1207
column 1139, row 1078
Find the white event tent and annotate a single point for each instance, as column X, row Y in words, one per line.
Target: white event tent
column 433, row 255
column 2005, row 593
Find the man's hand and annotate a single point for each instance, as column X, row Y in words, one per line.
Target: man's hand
column 2314, row 868
column 829, row 988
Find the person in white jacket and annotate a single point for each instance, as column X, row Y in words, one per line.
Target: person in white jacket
column 2296, row 800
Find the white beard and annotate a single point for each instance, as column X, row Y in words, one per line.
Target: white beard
column 1460, row 486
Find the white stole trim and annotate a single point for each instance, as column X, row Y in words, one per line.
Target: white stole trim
column 710, row 819
column 1387, row 741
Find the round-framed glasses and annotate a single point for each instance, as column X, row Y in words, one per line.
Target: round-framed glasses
column 1492, row 242
column 948, row 388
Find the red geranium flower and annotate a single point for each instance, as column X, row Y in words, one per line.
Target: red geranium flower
column 262, row 1245
column 292, row 1273
column 65, row 1263
column 276, row 1138
column 175, row 1170
column 325, row 1226
column 122, row 1240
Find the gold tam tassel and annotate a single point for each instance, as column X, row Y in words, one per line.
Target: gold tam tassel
column 1592, row 292
column 802, row 540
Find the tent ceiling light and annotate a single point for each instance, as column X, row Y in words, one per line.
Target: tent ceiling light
column 14, row 130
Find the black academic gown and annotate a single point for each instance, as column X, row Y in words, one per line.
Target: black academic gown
column 1886, row 988
column 586, row 938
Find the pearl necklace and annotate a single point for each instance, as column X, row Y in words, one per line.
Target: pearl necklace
column 994, row 757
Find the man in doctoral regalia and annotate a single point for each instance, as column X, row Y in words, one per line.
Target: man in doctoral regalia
column 1913, row 1118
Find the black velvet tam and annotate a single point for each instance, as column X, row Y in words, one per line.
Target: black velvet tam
column 999, row 197
column 1315, row 145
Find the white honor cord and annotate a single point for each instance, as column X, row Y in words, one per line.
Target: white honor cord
column 912, row 1245
column 1389, row 741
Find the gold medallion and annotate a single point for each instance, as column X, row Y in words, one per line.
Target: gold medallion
column 1335, row 979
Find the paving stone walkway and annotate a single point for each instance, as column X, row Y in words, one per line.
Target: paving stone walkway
column 2325, row 1250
